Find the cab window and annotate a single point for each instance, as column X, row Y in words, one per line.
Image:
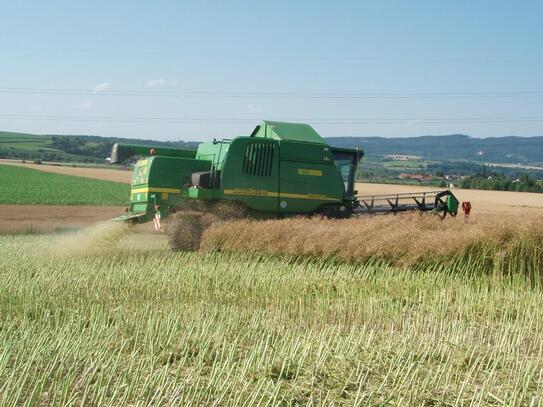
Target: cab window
column 346, row 163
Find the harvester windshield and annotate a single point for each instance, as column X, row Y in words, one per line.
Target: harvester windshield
column 346, row 162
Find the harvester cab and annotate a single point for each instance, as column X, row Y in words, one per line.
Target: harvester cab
column 280, row 169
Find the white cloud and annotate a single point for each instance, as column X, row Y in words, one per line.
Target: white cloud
column 254, row 108
column 86, row 105
column 174, row 83
column 154, row 83
column 101, row 87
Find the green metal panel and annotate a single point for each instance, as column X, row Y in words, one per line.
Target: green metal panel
column 170, row 172
column 301, row 183
column 199, row 193
column 161, row 181
column 306, row 152
column 288, row 131
column 452, row 204
column 214, row 151
column 305, row 187
column 251, row 173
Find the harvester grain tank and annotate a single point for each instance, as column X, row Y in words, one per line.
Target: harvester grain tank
column 281, row 169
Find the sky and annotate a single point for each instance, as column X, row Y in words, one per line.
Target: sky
column 197, row 70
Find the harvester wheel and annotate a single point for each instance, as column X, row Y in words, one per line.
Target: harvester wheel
column 185, row 230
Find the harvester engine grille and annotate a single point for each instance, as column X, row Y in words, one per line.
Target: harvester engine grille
column 258, row 159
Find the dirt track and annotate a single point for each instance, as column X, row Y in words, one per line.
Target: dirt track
column 115, row 174
column 45, row 218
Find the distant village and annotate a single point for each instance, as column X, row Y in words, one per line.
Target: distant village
column 452, row 180
column 419, row 176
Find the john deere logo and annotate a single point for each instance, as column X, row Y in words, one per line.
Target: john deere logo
column 314, row 173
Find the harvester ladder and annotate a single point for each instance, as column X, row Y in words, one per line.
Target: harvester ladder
column 215, row 161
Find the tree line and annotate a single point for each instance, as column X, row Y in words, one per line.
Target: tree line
column 499, row 182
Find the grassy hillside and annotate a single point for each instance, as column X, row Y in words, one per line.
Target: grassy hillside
column 24, row 140
column 92, row 149
column 123, row 327
column 32, row 187
column 31, row 146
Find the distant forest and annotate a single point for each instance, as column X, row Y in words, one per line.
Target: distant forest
column 499, row 182
column 510, row 150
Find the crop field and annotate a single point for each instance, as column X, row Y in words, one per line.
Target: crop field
column 106, row 318
column 25, row 141
column 31, row 187
column 93, row 171
column 30, row 143
column 487, row 244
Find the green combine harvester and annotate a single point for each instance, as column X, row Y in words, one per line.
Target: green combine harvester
column 280, row 170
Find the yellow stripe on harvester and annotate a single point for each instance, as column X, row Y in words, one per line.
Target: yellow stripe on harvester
column 264, row 193
column 147, row 190
column 318, row 197
column 251, row 192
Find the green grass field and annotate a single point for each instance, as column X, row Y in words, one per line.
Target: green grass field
column 32, row 187
column 27, row 142
column 32, row 146
column 122, row 327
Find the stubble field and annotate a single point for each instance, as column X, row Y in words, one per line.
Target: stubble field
column 402, row 310
column 104, row 323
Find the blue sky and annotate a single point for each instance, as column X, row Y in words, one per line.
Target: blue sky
column 195, row 70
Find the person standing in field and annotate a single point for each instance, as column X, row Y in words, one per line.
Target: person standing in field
column 466, row 207
column 156, row 219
